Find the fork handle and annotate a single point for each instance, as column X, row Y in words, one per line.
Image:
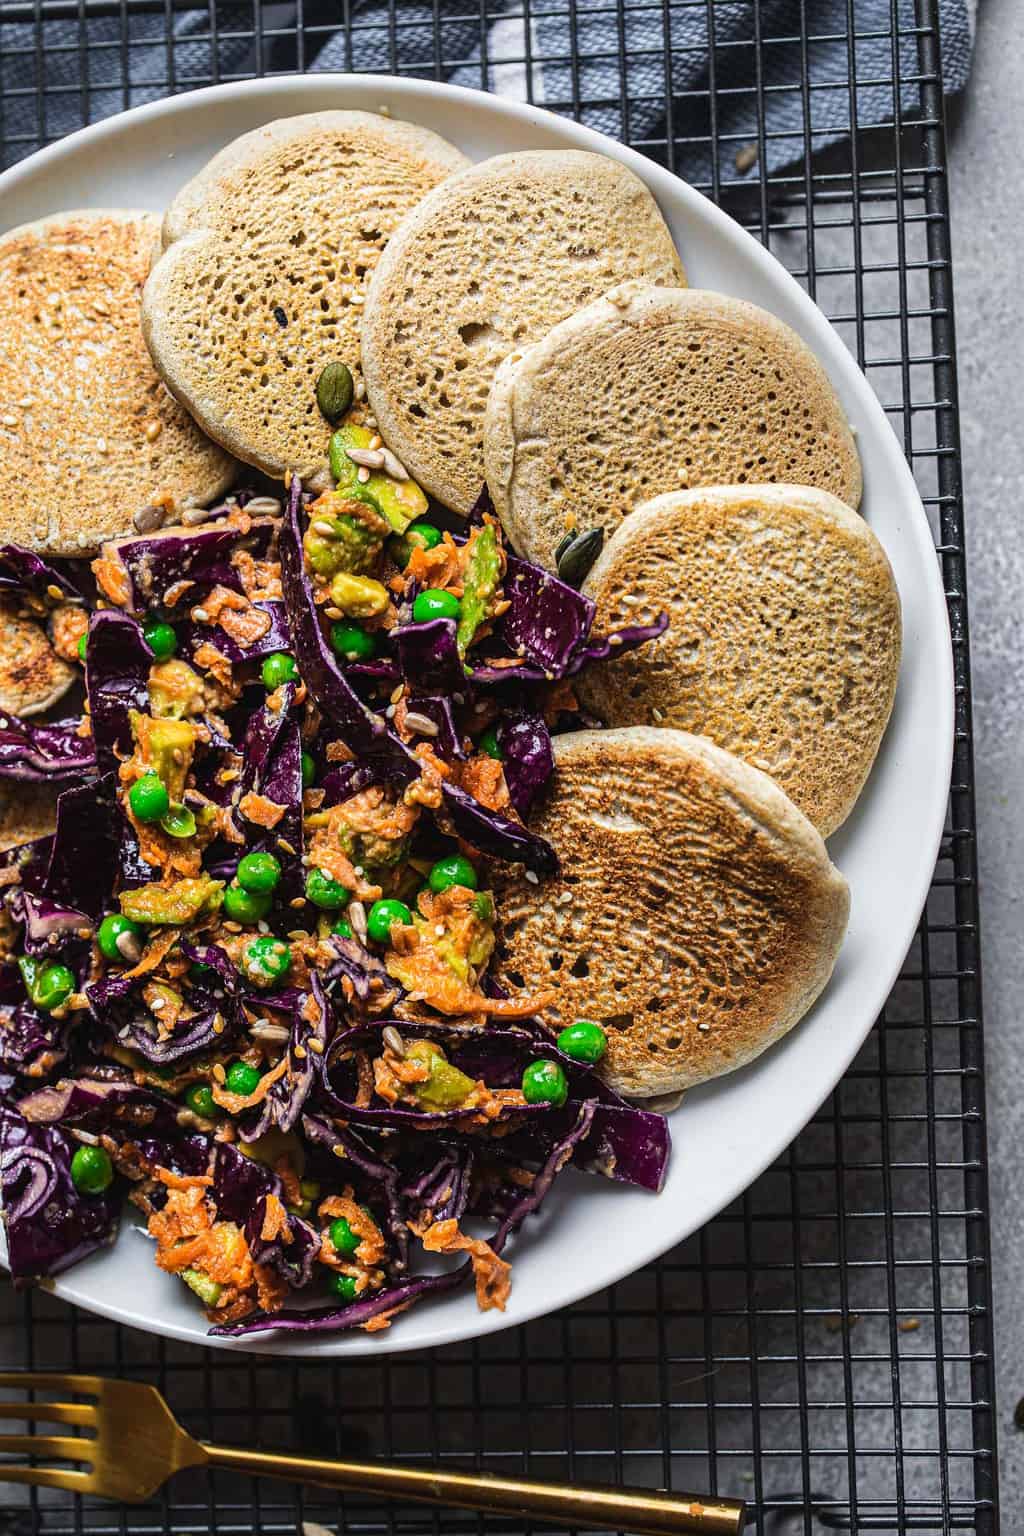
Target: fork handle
column 643, row 1512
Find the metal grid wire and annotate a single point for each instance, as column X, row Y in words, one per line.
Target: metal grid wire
column 823, row 1348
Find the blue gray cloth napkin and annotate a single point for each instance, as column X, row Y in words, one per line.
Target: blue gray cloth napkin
column 759, row 79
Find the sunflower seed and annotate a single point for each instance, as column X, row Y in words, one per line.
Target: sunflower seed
column 392, row 466
column 356, row 914
column 367, row 458
column 196, row 515
column 576, row 560
column 149, row 519
column 273, row 1034
column 421, row 724
column 393, row 1040
column 128, row 947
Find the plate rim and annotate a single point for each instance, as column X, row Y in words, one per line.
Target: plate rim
column 845, row 372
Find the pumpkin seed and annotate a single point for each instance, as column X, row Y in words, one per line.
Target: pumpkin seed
column 575, row 562
column 563, row 546
column 334, row 391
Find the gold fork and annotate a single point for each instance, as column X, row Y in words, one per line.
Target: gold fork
column 138, row 1444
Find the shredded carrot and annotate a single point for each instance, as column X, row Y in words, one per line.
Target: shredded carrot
column 492, row 1274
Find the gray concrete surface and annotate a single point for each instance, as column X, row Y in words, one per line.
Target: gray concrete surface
column 987, row 192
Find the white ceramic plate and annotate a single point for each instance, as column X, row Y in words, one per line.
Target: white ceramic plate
column 591, row 1233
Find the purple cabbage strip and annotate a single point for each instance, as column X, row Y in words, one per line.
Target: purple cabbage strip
column 49, row 1225
column 294, row 1260
column 334, row 1319
column 31, row 1041
column 343, row 780
column 283, row 785
column 117, row 663
column 429, row 656
column 286, row 1098
column 278, row 637
column 84, row 855
column 527, row 758
column 47, row 925
column 343, row 1142
column 561, row 1152
column 22, row 571
column 155, row 562
column 44, row 754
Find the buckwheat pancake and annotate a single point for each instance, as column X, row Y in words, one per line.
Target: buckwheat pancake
column 784, row 638
column 32, row 676
column 88, row 434
column 651, row 390
column 489, row 261
column 696, row 917
column 267, row 254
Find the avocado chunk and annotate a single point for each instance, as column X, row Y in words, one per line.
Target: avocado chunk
column 206, row 1289
column 164, row 747
column 400, row 501
column 357, row 534
column 480, row 583
column 179, row 903
column 446, row 1087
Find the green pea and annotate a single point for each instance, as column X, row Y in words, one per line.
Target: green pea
column 308, row 770
column 489, row 743
column 119, row 939
column 324, row 892
column 544, row 1082
column 344, row 1239
column 160, row 638
column 91, row 1170
column 343, row 1286
column 279, row 669
column 199, row 1099
column 583, row 1041
column 342, row 928
column 179, row 821
column 453, row 870
column 435, row 603
column 148, row 798
column 381, row 916
column 243, row 906
column 48, row 983
column 258, row 872
column 83, row 640
column 353, row 642
column 266, row 960
column 242, row 1079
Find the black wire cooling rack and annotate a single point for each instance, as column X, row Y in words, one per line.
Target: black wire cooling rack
column 824, row 1347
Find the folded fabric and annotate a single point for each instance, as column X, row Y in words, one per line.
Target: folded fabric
column 743, row 76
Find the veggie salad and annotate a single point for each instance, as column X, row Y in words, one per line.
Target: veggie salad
column 244, row 983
